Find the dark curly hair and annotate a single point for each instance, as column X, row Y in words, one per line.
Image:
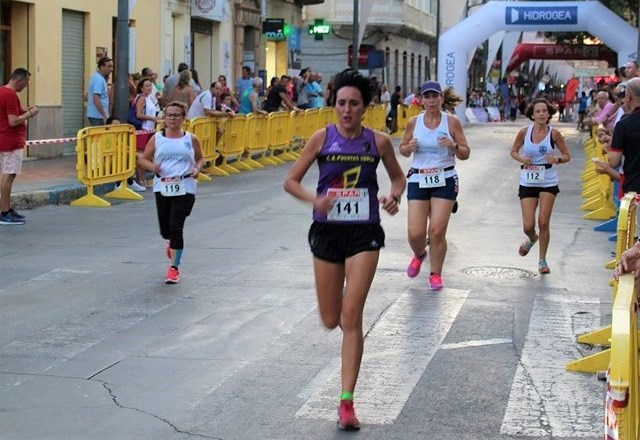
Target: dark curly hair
column 529, row 111
column 353, row 78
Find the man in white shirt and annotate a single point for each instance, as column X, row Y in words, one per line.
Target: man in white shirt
column 205, row 103
column 409, row 99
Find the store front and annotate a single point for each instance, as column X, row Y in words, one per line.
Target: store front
column 276, row 48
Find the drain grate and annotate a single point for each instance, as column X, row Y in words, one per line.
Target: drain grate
column 505, row 273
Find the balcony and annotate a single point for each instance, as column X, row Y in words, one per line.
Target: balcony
column 391, row 16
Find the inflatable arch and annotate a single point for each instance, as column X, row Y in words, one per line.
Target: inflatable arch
column 545, row 51
column 561, row 16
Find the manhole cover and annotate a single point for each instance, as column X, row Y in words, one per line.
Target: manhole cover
column 508, row 273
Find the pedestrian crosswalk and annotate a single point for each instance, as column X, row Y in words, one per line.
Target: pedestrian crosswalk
column 545, row 400
column 397, row 351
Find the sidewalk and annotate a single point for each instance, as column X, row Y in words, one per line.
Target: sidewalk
column 45, row 182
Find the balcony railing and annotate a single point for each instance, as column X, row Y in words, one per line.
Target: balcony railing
column 392, row 14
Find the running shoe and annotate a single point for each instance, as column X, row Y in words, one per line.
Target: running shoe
column 526, row 246
column 347, row 416
column 10, row 220
column 173, row 275
column 414, row 265
column 543, row 267
column 435, row 282
column 16, row 214
column 137, row 187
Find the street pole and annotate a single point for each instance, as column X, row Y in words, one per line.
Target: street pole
column 437, row 35
column 356, row 29
column 121, row 90
column 638, row 43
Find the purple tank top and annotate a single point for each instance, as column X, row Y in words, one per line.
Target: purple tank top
column 348, row 168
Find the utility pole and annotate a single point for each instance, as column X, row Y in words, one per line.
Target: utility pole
column 355, row 52
column 121, row 91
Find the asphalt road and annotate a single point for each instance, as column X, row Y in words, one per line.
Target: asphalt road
column 93, row 344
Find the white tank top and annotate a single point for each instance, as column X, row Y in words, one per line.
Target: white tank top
column 176, row 158
column 150, row 109
column 429, row 154
column 537, row 151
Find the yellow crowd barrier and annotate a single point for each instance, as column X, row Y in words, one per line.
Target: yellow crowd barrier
column 205, row 131
column 279, row 138
column 626, row 235
column 232, row 144
column 622, row 411
column 405, row 113
column 229, row 145
column 105, row 154
column 257, row 132
column 596, row 188
column 297, row 133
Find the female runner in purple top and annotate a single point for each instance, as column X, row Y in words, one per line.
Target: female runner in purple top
column 346, row 236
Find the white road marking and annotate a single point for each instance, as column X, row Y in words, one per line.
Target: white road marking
column 397, row 351
column 546, row 400
column 58, row 274
column 481, row 343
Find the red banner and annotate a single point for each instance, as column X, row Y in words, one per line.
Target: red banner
column 545, row 51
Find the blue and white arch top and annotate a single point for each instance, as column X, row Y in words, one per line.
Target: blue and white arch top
column 559, row 16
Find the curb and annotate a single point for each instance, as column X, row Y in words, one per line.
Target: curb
column 64, row 194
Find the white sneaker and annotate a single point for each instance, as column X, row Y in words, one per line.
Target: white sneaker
column 137, row 187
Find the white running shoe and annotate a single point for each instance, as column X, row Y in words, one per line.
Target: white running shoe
column 137, row 187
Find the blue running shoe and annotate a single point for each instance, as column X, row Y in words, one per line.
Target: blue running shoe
column 16, row 214
column 9, row 220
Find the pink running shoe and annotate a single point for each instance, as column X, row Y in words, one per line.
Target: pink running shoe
column 435, row 282
column 414, row 265
column 347, row 419
column 173, row 275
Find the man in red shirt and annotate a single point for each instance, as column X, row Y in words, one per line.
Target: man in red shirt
column 13, row 133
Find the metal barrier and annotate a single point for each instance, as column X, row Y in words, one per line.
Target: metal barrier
column 106, row 154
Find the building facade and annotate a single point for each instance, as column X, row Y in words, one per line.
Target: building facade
column 398, row 44
column 59, row 41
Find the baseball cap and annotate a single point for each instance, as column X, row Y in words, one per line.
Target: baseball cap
column 430, row 86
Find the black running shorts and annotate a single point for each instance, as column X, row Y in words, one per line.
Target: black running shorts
column 448, row 192
column 336, row 242
column 525, row 192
